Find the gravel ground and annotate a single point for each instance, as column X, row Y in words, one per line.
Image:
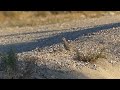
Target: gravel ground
column 44, row 44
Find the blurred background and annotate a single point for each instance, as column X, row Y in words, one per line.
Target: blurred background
column 34, row 18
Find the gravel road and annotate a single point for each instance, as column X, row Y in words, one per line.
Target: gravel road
column 105, row 30
column 28, row 38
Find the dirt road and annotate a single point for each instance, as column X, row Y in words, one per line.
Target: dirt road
column 28, row 38
column 105, row 30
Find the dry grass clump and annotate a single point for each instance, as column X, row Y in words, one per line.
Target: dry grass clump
column 13, row 68
column 9, row 63
column 9, row 60
column 89, row 57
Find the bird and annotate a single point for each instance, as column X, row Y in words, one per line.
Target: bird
column 66, row 43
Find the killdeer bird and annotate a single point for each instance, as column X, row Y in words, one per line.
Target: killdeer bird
column 66, row 44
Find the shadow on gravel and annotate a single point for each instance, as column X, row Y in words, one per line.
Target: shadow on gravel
column 49, row 73
column 32, row 71
column 28, row 46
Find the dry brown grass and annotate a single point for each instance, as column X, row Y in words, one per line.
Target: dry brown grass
column 90, row 57
column 30, row 18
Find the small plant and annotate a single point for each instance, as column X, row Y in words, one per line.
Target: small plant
column 9, row 62
column 80, row 56
column 12, row 69
column 90, row 57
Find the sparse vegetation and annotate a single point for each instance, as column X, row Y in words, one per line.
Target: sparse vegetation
column 11, row 68
column 10, row 60
column 52, row 56
column 90, row 57
column 30, row 18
